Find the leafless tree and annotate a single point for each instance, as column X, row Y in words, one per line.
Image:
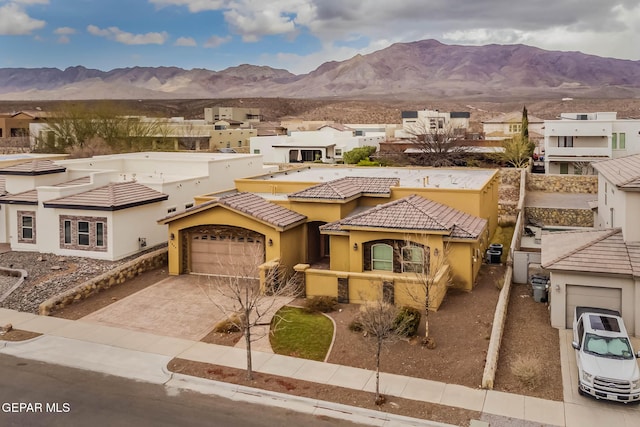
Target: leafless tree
column 583, row 168
column 243, row 299
column 438, row 145
column 431, row 269
column 379, row 320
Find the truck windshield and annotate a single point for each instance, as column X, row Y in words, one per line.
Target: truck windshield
column 614, row 348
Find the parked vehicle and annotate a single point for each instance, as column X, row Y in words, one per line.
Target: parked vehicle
column 607, row 366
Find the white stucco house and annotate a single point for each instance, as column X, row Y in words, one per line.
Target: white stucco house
column 576, row 140
column 327, row 144
column 420, row 121
column 600, row 267
column 106, row 207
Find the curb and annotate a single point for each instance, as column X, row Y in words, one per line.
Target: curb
column 295, row 403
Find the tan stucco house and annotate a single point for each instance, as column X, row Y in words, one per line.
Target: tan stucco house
column 351, row 232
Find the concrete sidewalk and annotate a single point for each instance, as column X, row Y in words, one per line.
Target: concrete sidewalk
column 144, row 356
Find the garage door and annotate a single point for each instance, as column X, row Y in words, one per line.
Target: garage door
column 591, row 296
column 226, row 255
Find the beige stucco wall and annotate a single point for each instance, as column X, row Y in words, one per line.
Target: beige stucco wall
column 630, row 296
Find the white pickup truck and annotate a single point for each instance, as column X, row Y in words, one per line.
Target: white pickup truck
column 607, row 367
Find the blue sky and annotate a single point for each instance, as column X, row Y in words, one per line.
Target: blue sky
column 298, row 35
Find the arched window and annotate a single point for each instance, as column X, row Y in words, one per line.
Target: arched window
column 381, row 257
column 412, row 259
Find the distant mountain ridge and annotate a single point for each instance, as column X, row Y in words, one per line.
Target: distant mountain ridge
column 411, row 70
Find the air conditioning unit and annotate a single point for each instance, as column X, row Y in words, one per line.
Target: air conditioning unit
column 142, row 242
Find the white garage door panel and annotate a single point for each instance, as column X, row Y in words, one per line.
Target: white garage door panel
column 591, row 296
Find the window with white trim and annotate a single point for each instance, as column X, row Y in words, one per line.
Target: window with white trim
column 412, row 259
column 83, row 233
column 27, row 227
column 382, row 257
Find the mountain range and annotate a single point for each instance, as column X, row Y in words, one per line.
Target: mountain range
column 413, row 70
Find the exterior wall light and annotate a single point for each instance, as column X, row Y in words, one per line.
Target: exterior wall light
column 355, row 246
column 270, row 242
column 172, row 236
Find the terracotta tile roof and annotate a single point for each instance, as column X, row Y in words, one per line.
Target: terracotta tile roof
column 337, row 126
column 634, row 256
column 25, row 198
column 111, row 197
column 249, row 204
column 592, row 251
column 415, row 213
column 258, row 207
column 34, row 167
column 347, row 188
column 623, row 172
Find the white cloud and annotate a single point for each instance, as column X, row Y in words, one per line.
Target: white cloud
column 592, row 26
column 15, row 21
column 63, row 40
column 116, row 34
column 64, row 31
column 215, row 41
column 185, row 41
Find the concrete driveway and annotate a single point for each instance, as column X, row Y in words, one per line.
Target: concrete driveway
column 582, row 411
column 178, row 306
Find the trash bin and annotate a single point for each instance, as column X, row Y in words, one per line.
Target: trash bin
column 493, row 257
column 540, row 285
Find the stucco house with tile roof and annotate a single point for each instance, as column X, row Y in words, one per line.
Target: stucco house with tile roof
column 600, row 267
column 348, row 231
column 106, row 207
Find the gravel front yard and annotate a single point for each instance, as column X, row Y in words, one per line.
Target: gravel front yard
column 49, row 275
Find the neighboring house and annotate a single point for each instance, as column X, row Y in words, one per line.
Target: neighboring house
column 327, row 144
column 432, row 121
column 245, row 116
column 174, row 133
column 577, row 140
column 600, row 267
column 105, row 207
column 347, row 230
column 507, row 125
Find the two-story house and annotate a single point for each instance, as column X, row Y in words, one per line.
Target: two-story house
column 600, row 267
column 576, row 140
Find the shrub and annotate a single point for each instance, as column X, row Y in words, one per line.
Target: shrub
column 355, row 326
column 407, row 321
column 527, row 369
column 367, row 162
column 229, row 325
column 322, row 304
column 357, row 154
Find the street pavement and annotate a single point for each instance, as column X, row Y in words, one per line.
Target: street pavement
column 143, row 356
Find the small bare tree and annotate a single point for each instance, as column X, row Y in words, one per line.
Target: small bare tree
column 238, row 293
column 438, row 145
column 380, row 321
column 430, row 270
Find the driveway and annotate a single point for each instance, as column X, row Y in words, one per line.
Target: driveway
column 178, row 306
column 585, row 411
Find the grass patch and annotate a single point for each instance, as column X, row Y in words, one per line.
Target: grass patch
column 298, row 333
column 503, row 235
